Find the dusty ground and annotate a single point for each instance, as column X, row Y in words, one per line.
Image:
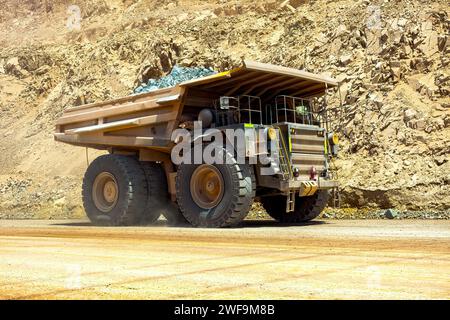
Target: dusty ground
column 325, row 259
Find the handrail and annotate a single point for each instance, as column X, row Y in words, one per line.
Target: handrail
column 286, row 154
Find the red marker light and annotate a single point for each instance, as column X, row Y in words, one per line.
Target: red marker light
column 312, row 173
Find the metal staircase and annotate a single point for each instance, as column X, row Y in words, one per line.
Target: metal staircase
column 335, row 193
column 283, row 156
column 285, row 168
column 290, row 203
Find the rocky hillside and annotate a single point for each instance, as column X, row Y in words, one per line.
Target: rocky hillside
column 392, row 58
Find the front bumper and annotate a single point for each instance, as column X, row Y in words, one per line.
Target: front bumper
column 308, row 188
column 321, row 184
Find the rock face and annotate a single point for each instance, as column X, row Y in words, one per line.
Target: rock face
column 392, row 59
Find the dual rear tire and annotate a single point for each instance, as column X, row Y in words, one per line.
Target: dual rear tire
column 119, row 190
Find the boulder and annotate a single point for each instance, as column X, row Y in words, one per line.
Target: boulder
column 429, row 45
column 345, row 60
column 391, row 213
column 409, row 114
column 402, row 22
column 377, row 99
column 442, row 42
column 13, row 67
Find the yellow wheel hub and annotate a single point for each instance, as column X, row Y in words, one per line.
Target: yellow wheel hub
column 105, row 192
column 207, row 186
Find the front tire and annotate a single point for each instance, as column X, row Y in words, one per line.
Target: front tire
column 306, row 208
column 114, row 191
column 218, row 195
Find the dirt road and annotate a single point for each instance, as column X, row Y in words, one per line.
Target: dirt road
column 326, row 259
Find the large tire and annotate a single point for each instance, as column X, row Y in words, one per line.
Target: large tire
column 173, row 215
column 233, row 203
column 114, row 191
column 158, row 199
column 306, row 208
column 157, row 194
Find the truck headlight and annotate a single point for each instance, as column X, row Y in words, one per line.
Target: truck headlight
column 272, row 134
column 333, row 141
column 333, row 138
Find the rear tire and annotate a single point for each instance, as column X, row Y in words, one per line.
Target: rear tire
column 157, row 194
column 231, row 186
column 114, row 191
column 306, row 208
column 158, row 199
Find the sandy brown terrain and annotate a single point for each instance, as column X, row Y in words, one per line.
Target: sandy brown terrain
column 391, row 57
column 324, row 259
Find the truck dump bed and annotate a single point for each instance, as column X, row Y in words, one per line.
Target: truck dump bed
column 148, row 120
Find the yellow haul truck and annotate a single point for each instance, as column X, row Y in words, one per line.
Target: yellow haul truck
column 277, row 114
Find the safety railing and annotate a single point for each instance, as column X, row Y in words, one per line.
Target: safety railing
column 241, row 109
column 294, row 110
column 248, row 109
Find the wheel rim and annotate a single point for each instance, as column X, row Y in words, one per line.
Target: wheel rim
column 105, row 192
column 207, row 186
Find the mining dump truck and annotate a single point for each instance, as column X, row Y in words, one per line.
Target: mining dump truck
column 265, row 126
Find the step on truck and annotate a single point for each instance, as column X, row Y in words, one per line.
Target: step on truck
column 202, row 151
